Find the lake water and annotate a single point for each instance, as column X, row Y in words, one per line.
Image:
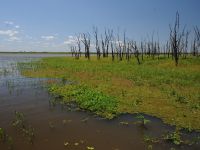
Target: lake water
column 60, row 128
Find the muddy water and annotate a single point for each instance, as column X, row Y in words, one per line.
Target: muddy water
column 59, row 128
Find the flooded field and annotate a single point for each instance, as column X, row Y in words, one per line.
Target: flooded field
column 63, row 127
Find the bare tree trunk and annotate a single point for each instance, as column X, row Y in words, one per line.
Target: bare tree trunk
column 197, row 37
column 72, row 50
column 158, row 50
column 194, row 48
column 136, row 52
column 78, row 41
column 128, row 52
column 124, row 45
column 175, row 39
column 108, row 37
column 112, row 51
column 103, row 46
column 86, row 42
column 142, row 49
column 120, row 48
column 186, row 45
column 95, row 30
column 168, row 49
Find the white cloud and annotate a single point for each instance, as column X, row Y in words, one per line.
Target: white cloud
column 14, row 38
column 17, row 26
column 8, row 32
column 48, row 38
column 8, row 22
column 11, row 35
column 70, row 40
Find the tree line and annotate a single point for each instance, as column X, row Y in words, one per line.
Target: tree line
column 109, row 44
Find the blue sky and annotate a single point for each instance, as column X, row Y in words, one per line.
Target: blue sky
column 49, row 25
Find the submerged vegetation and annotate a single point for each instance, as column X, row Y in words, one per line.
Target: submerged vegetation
column 20, row 124
column 106, row 87
column 6, row 139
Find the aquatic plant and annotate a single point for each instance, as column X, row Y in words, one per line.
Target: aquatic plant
column 143, row 121
column 19, row 120
column 2, row 134
column 86, row 98
column 174, row 137
column 10, row 142
column 151, row 139
column 20, row 124
column 6, row 139
column 150, row 147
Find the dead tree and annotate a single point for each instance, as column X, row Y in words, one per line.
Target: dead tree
column 185, row 51
column 112, row 51
column 128, row 52
column 194, row 47
column 112, row 47
column 168, row 49
column 197, row 37
column 86, row 42
column 95, row 30
column 72, row 50
column 76, row 53
column 136, row 52
column 103, row 46
column 119, row 47
column 78, row 41
column 153, row 46
column 158, row 50
column 124, row 45
column 108, row 37
column 154, row 50
column 175, row 39
column 149, row 49
column 142, row 49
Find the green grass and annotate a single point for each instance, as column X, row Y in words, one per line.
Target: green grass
column 156, row 87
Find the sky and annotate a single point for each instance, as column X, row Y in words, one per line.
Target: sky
column 51, row 25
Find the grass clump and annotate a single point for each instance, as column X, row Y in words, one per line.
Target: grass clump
column 86, row 98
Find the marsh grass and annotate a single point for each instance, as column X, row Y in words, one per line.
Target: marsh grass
column 156, row 87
